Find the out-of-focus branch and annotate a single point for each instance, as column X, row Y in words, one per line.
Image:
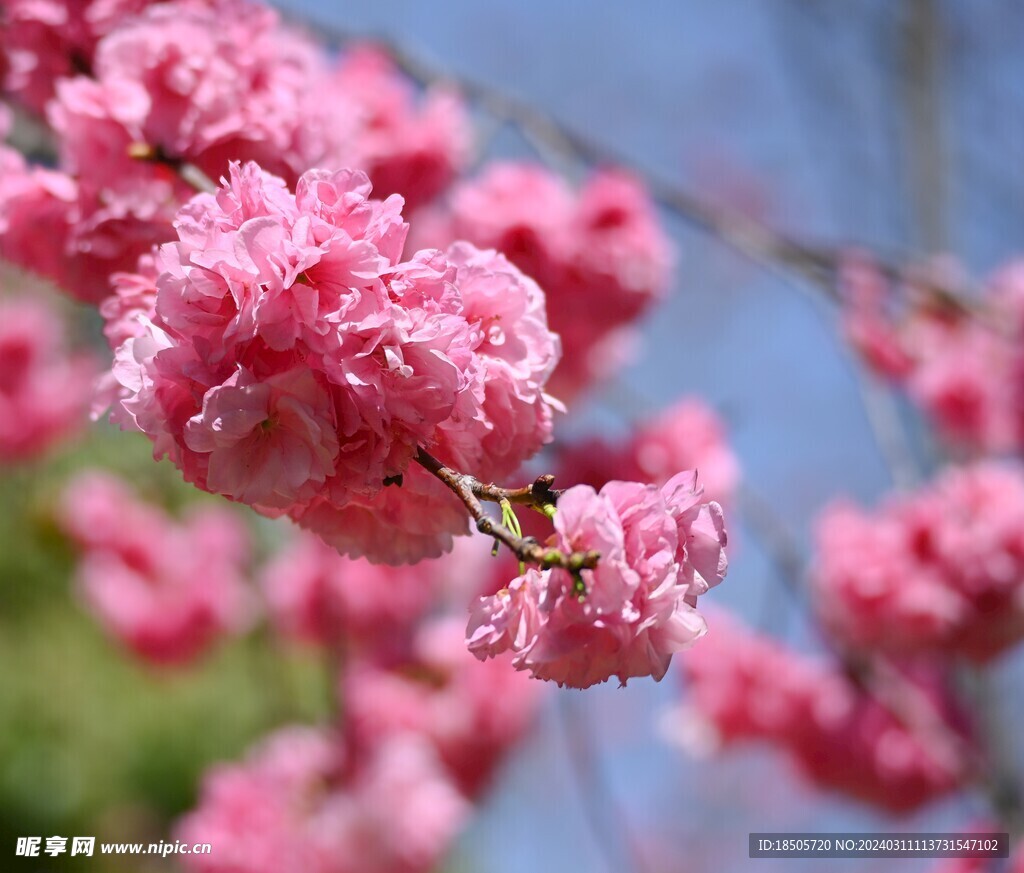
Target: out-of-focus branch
column 560, row 144
column 928, row 172
column 889, row 432
column 30, row 136
column 813, row 263
column 608, row 823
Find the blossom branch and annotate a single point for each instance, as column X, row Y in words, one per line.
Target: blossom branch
column 539, row 495
column 813, row 263
column 189, row 173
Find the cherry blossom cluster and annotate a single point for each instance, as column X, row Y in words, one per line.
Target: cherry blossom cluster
column 293, row 362
column 46, row 40
column 424, row 725
column 599, row 254
column 44, row 387
column 940, row 570
column 742, row 686
column 319, row 597
column 472, row 713
column 661, row 548
column 304, row 800
column 688, row 435
column 196, row 83
column 964, row 369
column 166, row 589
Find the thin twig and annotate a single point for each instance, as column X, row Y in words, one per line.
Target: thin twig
column 539, row 495
column 816, row 264
column 890, row 435
column 608, row 822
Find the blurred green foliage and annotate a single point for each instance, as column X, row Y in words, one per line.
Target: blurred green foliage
column 93, row 742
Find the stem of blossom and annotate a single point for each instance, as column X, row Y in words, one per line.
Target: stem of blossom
column 538, row 495
column 190, row 174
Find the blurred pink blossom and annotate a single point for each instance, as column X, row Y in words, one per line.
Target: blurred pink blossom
column 45, row 389
column 165, row 589
column 316, row 595
column 939, row 570
column 688, row 435
column 742, row 686
column 301, row 801
column 963, row 368
column 43, row 40
column 599, row 255
column 37, row 208
column 405, row 149
column 472, row 712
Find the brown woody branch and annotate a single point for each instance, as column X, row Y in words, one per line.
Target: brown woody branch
column 539, row 495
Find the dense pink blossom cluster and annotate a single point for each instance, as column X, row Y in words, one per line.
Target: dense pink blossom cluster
column 44, row 40
column 473, row 713
column 200, row 83
column 965, row 370
column 502, row 417
column 302, row 801
column 318, row 596
column 688, row 435
column 599, row 255
column 165, row 589
column 405, row 148
column 189, row 81
column 295, row 364
column 44, row 387
column 660, row 550
column 940, row 570
column 742, row 686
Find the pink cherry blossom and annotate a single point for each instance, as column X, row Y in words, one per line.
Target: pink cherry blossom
column 401, row 524
column 472, row 712
column 291, row 362
column 37, row 210
column 660, row 549
column 963, row 369
column 205, row 82
column 741, row 687
column 600, row 256
column 687, row 435
column 411, row 150
column 45, row 388
column 259, row 813
column 511, row 418
column 315, row 594
column 189, row 81
column 133, row 300
column 938, row 570
column 165, row 589
column 44, row 40
column 300, row 801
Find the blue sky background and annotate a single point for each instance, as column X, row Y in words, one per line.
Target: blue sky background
column 807, row 100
